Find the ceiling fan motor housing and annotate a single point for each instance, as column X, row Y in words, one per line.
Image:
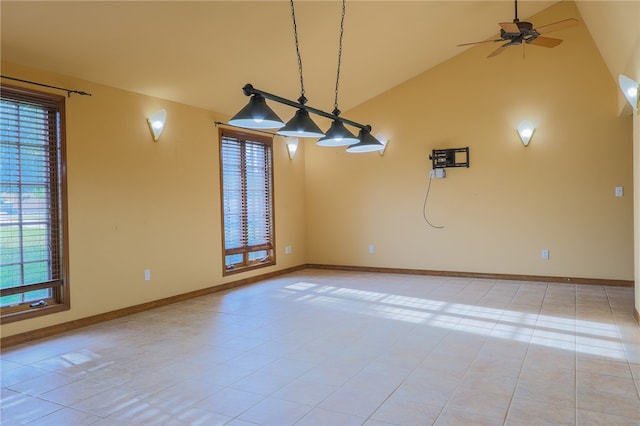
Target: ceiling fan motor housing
column 527, row 33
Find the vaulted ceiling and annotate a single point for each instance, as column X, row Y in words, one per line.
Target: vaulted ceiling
column 201, row 53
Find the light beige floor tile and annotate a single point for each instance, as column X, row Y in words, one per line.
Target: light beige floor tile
column 329, row 375
column 157, row 412
column 374, row 422
column 548, row 372
column 527, row 412
column 76, row 391
column 305, row 392
column 454, row 364
column 185, row 392
column 499, row 366
column 6, row 365
column 222, row 375
column 407, row 412
column 635, row 370
column 321, row 417
column 262, row 383
column 423, row 393
column 249, row 361
column 360, row 403
column 18, row 409
column 549, row 358
column 605, row 383
column 275, row 412
column 624, row 405
column 553, row 391
column 452, row 417
column 288, row 368
column 230, row 402
column 603, row 365
column 42, row 384
column 489, row 382
column 66, row 417
column 485, row 403
column 107, row 402
column 588, row 417
column 20, row 374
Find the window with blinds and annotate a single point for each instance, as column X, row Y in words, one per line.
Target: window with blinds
column 247, row 201
column 33, row 268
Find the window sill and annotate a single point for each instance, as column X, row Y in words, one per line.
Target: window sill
column 23, row 314
column 246, row 268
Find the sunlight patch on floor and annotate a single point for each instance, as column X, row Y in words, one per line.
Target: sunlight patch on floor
column 589, row 337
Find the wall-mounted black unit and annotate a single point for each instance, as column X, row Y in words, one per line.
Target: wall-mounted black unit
column 454, row 157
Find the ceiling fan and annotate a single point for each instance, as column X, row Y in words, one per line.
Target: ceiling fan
column 518, row 32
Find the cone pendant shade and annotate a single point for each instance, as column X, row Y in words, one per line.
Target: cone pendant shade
column 301, row 126
column 338, row 135
column 257, row 115
column 367, row 143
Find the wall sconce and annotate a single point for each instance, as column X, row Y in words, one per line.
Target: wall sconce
column 384, row 141
column 525, row 130
column 156, row 123
column 292, row 147
column 630, row 90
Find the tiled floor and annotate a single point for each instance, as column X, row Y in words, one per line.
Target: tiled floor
column 339, row 348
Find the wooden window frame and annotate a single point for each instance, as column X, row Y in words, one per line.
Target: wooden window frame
column 245, row 249
column 60, row 294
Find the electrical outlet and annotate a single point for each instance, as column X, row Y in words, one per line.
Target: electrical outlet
column 371, row 248
column 288, row 250
column 147, row 274
column 544, row 254
column 437, row 174
column 619, row 191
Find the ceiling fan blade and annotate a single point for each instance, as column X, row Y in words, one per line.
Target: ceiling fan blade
column 510, row 27
column 546, row 41
column 560, row 25
column 478, row 42
column 498, row 51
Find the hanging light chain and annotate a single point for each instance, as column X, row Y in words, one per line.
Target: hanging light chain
column 302, row 98
column 336, row 111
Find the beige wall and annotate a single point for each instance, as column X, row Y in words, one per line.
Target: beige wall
column 135, row 204
column 556, row 194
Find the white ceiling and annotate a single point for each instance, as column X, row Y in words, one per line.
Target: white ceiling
column 201, row 53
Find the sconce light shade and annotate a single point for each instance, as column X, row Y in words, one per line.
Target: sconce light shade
column 525, row 130
column 292, row 147
column 338, row 135
column 630, row 90
column 367, row 143
column 156, row 123
column 257, row 115
column 384, row 141
column 301, row 126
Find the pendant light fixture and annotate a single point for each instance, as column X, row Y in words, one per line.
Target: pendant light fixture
column 257, row 114
column 366, row 143
column 338, row 135
column 301, row 125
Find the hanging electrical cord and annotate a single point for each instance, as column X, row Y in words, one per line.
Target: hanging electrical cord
column 336, row 111
column 302, row 98
column 424, row 206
